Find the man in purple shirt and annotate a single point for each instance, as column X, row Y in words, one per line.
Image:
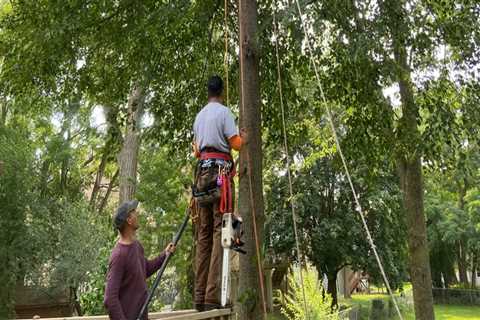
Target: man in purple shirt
column 128, row 269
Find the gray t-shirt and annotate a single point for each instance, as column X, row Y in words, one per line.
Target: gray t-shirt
column 213, row 126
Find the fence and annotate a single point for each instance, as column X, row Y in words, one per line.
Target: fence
column 352, row 313
column 456, row 296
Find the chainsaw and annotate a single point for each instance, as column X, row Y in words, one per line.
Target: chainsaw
column 231, row 240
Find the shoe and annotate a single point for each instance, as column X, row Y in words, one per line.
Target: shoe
column 200, row 307
column 212, row 306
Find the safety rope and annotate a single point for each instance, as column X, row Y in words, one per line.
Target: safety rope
column 225, row 58
column 285, row 142
column 249, row 168
column 347, row 172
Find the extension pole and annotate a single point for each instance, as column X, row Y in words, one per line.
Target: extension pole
column 164, row 264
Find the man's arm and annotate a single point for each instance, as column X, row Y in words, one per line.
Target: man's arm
column 235, row 140
column 115, row 273
column 153, row 265
column 196, row 152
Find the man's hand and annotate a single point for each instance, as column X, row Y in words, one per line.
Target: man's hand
column 170, row 248
column 244, row 135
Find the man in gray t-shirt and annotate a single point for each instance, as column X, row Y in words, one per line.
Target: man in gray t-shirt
column 214, row 125
column 215, row 135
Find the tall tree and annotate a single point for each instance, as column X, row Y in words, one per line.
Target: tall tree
column 250, row 201
column 128, row 157
column 409, row 163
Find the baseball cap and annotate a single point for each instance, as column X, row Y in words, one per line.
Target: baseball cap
column 123, row 211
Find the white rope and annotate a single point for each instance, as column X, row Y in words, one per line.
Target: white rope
column 332, row 125
column 285, row 142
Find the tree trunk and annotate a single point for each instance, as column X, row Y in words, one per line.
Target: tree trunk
column 332, row 289
column 128, row 157
column 44, row 178
column 462, row 253
column 410, row 166
column 103, row 204
column 75, row 302
column 3, row 113
column 474, row 271
column 99, row 176
column 65, row 163
column 250, row 201
column 462, row 263
column 412, row 187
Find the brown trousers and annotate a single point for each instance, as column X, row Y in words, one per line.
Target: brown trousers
column 208, row 256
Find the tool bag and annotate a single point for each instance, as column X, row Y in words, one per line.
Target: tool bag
column 205, row 188
column 212, row 179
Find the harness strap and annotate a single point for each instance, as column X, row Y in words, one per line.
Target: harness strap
column 215, row 155
column 225, row 177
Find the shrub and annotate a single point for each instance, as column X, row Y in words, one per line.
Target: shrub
column 318, row 303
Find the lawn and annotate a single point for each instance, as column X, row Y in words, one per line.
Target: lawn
column 442, row 312
column 453, row 312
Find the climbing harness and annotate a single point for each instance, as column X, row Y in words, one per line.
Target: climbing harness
column 213, row 180
column 164, row 265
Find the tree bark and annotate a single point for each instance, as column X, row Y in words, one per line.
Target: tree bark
column 462, row 252
column 332, row 289
column 109, row 191
column 3, row 113
column 462, row 262
column 128, row 157
column 65, row 164
column 412, row 187
column 474, row 271
column 99, row 176
column 410, row 166
column 251, row 302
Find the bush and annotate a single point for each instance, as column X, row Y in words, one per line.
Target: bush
column 318, row 304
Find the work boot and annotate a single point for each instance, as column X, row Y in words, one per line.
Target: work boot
column 199, row 307
column 212, row 306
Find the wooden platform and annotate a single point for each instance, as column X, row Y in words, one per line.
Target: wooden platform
column 223, row 314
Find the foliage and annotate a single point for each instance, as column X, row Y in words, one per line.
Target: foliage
column 88, row 54
column 332, row 234
column 16, row 200
column 318, row 303
column 164, row 196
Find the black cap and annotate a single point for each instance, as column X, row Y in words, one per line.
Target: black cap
column 123, row 212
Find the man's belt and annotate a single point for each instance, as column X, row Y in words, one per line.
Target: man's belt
column 215, row 155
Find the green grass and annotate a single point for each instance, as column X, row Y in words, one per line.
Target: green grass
column 442, row 312
column 453, row 312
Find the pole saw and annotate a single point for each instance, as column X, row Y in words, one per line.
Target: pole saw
column 164, row 265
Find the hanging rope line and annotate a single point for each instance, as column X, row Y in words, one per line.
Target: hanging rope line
column 249, row 168
column 225, row 57
column 285, row 143
column 347, row 172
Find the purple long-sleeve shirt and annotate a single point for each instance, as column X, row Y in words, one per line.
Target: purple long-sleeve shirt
column 126, row 288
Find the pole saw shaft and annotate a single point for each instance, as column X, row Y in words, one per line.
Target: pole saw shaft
column 164, row 265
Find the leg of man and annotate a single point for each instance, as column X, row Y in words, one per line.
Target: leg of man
column 212, row 294
column 203, row 252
